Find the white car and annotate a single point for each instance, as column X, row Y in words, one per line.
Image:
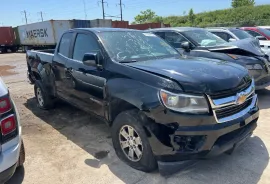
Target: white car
column 265, row 27
column 12, row 153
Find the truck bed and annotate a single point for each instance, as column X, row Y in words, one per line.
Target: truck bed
column 40, row 56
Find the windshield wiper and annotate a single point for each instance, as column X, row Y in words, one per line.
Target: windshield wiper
column 128, row 61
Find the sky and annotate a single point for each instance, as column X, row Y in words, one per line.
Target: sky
column 12, row 10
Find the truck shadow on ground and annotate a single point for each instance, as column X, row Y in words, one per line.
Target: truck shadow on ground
column 18, row 176
column 246, row 165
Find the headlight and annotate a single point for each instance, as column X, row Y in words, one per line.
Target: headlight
column 184, row 103
column 254, row 67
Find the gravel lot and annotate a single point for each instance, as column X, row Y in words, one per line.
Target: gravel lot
column 68, row 146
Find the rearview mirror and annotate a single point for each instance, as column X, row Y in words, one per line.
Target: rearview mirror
column 186, row 46
column 90, row 59
column 261, row 38
column 232, row 40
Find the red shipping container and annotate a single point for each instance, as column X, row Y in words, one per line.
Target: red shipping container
column 7, row 37
column 120, row 24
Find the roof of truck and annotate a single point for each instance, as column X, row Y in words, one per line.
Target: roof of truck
column 176, row 29
column 103, row 29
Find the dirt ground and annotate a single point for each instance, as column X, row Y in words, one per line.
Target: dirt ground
column 68, row 146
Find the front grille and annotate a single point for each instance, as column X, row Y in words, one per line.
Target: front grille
column 232, row 92
column 231, row 110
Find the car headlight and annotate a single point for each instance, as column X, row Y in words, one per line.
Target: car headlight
column 184, row 103
column 254, row 67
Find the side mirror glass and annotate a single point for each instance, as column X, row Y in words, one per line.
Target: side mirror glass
column 232, row 40
column 186, row 46
column 90, row 59
column 261, row 38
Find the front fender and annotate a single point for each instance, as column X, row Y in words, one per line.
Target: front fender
column 140, row 95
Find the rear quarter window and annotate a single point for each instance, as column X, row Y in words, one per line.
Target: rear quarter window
column 65, row 44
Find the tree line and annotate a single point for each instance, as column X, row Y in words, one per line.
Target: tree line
column 242, row 13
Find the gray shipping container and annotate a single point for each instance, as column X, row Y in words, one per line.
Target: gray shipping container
column 101, row 23
column 47, row 33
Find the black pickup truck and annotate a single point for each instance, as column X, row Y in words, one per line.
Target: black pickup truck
column 161, row 107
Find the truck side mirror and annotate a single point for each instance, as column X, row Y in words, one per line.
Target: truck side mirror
column 186, row 46
column 232, row 40
column 90, row 59
column 261, row 38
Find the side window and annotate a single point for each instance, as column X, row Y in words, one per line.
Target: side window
column 65, row 44
column 174, row 39
column 223, row 35
column 84, row 43
column 253, row 33
column 160, row 34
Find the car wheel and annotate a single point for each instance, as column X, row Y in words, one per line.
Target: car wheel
column 22, row 156
column 131, row 143
column 44, row 100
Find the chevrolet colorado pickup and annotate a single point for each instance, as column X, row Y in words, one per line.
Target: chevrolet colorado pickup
column 162, row 107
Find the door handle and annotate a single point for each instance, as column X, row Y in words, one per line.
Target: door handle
column 67, row 72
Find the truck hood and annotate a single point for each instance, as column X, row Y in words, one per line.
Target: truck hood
column 246, row 47
column 196, row 75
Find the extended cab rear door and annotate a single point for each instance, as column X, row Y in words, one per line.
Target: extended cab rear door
column 61, row 56
column 85, row 82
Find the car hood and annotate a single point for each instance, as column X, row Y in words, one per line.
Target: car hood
column 196, row 75
column 246, row 47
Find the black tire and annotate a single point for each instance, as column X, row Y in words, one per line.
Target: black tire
column 22, row 156
column 147, row 162
column 48, row 101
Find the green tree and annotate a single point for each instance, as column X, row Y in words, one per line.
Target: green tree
column 239, row 3
column 145, row 16
column 191, row 16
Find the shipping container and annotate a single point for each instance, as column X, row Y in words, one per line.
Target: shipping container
column 120, row 24
column 47, row 33
column 148, row 26
column 101, row 23
column 7, row 39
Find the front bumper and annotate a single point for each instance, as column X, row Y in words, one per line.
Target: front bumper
column 188, row 137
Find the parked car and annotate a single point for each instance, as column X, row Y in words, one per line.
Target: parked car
column 12, row 153
column 235, row 34
column 230, row 34
column 261, row 34
column 160, row 106
column 199, row 42
column 265, row 27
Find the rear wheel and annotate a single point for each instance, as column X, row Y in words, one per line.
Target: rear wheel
column 44, row 100
column 131, row 143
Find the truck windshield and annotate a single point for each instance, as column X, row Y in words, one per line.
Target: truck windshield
column 135, row 46
column 204, row 38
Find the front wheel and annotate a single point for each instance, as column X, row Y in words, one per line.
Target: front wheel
column 130, row 142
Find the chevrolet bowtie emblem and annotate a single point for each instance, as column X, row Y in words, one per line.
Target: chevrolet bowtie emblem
column 240, row 98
